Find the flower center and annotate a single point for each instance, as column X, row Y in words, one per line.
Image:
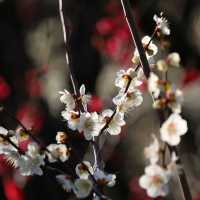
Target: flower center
column 172, row 128
column 156, row 180
column 102, row 181
column 88, row 124
column 126, row 77
column 83, row 168
column 74, row 116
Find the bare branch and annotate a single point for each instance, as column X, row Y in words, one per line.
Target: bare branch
column 66, row 47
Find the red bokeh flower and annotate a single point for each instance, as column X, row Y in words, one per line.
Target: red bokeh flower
column 5, row 168
column 12, row 190
column 33, row 84
column 31, row 116
column 191, row 75
column 95, row 104
column 4, row 89
column 137, row 193
column 105, row 26
column 112, row 37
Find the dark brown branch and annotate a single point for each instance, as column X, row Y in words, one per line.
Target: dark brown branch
column 135, row 36
column 182, row 176
column 184, row 185
column 18, row 122
column 145, row 65
column 7, row 139
column 29, row 133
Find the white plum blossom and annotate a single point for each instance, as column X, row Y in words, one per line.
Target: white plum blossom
column 12, row 156
column 83, row 169
column 153, row 85
column 82, row 188
column 162, row 65
column 21, row 135
column 128, row 100
column 85, row 98
column 150, row 48
column 114, row 127
column 162, row 24
column 30, row 166
column 33, row 149
column 95, row 197
column 125, row 77
column 174, row 127
column 73, row 119
column 58, row 151
column 65, row 182
column 174, row 59
column 155, row 181
column 152, row 152
column 5, row 146
column 30, row 163
column 89, row 125
column 175, row 97
column 3, row 131
column 103, row 178
column 68, row 100
column 117, row 121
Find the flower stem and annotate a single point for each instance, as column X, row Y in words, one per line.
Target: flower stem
column 76, row 92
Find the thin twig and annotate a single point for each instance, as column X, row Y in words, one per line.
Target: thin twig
column 67, row 48
column 135, row 36
column 96, row 187
column 96, row 163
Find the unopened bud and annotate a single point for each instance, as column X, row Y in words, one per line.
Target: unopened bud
column 61, row 137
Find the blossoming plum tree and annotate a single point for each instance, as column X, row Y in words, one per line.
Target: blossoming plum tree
column 87, row 179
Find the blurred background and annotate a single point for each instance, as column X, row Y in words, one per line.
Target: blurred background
column 33, row 70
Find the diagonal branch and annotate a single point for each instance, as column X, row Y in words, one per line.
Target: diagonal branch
column 182, row 177
column 135, row 36
column 145, row 65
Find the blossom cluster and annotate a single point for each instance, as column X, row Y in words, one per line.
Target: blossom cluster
column 168, row 99
column 86, row 179
column 83, row 184
column 34, row 159
column 92, row 124
column 31, row 160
